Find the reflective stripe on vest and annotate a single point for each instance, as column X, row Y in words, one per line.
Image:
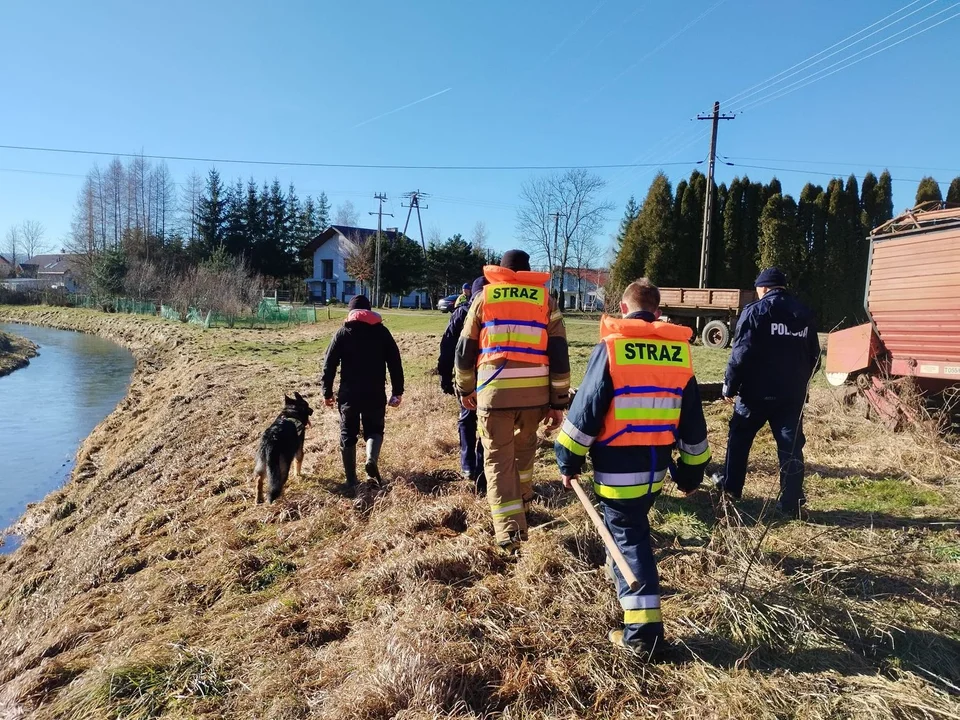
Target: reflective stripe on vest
column 650, row 365
column 516, row 310
column 628, row 486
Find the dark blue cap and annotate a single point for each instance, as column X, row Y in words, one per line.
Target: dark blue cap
column 466, row 286
column 771, row 277
column 478, row 284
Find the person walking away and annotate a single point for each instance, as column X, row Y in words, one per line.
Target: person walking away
column 471, row 448
column 513, row 367
column 775, row 354
column 638, row 401
column 363, row 349
column 464, row 297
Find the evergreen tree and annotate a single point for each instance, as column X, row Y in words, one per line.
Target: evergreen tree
column 644, row 239
column 657, row 233
column 812, row 227
column 928, row 190
column 211, row 213
column 734, row 233
column 236, row 241
column 884, row 194
column 629, row 215
column 401, row 263
column 690, row 229
column 781, row 243
column 869, row 197
column 717, row 242
column 953, row 193
column 323, row 212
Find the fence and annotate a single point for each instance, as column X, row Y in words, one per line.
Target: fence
column 268, row 313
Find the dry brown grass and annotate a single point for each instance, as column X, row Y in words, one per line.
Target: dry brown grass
column 153, row 586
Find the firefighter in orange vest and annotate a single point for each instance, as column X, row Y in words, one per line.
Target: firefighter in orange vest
column 512, row 366
column 637, row 402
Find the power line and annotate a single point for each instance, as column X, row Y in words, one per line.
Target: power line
column 807, row 172
column 799, row 84
column 842, row 162
column 357, row 166
column 740, row 96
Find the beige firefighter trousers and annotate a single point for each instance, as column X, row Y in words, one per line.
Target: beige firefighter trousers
column 509, row 445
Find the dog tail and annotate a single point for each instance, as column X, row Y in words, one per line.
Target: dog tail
column 277, row 469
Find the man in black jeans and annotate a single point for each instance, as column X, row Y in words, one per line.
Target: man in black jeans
column 363, row 349
column 775, row 353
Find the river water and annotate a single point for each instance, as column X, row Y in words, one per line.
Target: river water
column 49, row 407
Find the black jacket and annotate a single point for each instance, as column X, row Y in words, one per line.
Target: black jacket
column 775, row 351
column 448, row 347
column 363, row 349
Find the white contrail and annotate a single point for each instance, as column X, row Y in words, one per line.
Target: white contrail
column 402, row 107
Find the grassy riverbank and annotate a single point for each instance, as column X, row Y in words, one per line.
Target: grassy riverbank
column 15, row 353
column 153, row 586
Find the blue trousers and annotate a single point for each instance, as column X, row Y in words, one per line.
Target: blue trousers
column 471, row 449
column 786, row 423
column 628, row 523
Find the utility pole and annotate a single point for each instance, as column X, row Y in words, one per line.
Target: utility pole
column 376, row 261
column 556, row 233
column 716, row 117
column 413, row 197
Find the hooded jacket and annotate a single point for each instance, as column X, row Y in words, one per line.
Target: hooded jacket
column 363, row 349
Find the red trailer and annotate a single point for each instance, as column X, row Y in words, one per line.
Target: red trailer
column 913, row 301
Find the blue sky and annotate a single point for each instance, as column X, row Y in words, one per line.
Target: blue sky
column 526, row 83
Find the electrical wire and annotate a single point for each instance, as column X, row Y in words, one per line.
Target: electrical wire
column 773, row 79
column 808, row 172
column 358, row 166
column 841, row 162
column 799, row 84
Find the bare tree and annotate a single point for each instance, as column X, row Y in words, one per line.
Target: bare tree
column 190, row 204
column 551, row 241
column 479, row 237
column 115, row 190
column 586, row 251
column 359, row 262
column 347, row 214
column 164, row 192
column 31, row 237
column 12, row 247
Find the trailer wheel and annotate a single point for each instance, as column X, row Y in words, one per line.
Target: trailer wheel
column 715, row 334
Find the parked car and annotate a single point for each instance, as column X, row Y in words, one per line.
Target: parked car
column 446, row 304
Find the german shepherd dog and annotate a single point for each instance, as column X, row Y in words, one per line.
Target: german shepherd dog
column 282, row 445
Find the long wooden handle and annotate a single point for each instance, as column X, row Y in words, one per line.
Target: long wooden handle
column 607, row 538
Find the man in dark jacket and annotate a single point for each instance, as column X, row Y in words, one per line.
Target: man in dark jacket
column 775, row 353
column 471, row 448
column 363, row 349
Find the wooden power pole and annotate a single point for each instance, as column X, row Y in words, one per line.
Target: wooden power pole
column 376, row 261
column 715, row 117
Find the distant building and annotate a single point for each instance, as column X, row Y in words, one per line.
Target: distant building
column 330, row 279
column 51, row 271
column 583, row 288
column 6, row 267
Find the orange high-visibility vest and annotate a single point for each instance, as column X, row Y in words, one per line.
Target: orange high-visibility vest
column 516, row 312
column 650, row 366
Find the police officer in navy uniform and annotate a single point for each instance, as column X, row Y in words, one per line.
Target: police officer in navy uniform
column 775, row 353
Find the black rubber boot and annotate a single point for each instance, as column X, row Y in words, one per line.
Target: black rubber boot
column 373, row 456
column 349, row 457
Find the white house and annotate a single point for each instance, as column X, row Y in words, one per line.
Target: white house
column 583, row 288
column 330, row 279
column 52, row 271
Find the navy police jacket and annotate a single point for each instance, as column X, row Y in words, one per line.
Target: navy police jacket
column 775, row 351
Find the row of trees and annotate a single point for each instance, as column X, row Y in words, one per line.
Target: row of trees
column 138, row 236
column 820, row 240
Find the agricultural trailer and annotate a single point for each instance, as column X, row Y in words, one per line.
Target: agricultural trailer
column 711, row 312
column 912, row 298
